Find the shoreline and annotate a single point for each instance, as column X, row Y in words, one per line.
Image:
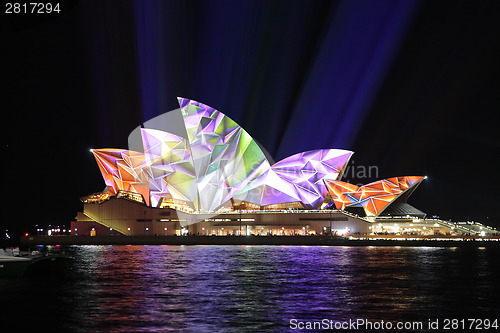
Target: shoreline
column 359, row 240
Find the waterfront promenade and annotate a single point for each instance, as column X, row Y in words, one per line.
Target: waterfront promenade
column 355, row 240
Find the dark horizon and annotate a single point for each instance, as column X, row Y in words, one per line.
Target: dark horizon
column 410, row 86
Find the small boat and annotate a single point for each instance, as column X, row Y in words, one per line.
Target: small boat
column 36, row 263
column 13, row 266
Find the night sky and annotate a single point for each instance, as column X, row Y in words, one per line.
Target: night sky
column 410, row 86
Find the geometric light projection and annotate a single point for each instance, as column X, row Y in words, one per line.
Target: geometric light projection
column 225, row 156
column 268, row 189
column 123, row 170
column 171, row 166
column 373, row 197
column 297, row 178
column 307, row 170
column 217, row 163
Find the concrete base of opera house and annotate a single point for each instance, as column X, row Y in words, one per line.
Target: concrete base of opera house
column 130, row 218
column 120, row 221
column 368, row 240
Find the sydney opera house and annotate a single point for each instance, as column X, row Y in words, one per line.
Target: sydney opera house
column 212, row 178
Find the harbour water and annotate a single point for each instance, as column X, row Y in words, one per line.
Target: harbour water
column 253, row 288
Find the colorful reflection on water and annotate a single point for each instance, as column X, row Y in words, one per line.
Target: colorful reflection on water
column 254, row 288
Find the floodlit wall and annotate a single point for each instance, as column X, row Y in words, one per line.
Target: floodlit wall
column 131, row 218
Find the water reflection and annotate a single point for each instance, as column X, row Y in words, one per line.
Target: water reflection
column 260, row 288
